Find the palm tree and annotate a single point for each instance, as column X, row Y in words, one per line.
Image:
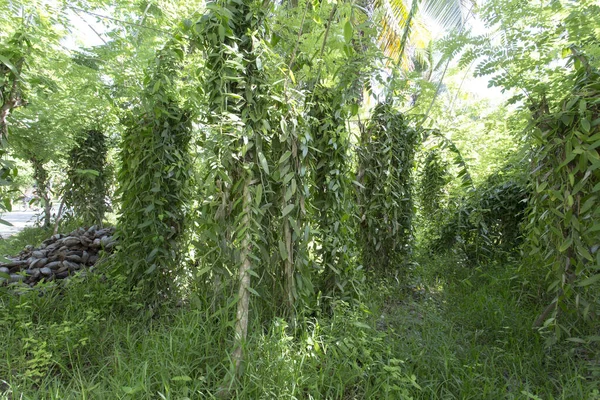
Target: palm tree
column 405, row 33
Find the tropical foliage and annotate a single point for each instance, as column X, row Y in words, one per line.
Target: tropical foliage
column 310, row 199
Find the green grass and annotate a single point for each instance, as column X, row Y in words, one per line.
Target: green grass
column 468, row 337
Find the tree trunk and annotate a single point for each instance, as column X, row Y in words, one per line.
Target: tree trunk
column 241, row 323
column 12, row 99
column 289, row 268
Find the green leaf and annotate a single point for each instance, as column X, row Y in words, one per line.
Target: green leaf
column 282, row 250
column 130, row 390
column 565, row 245
column 285, row 157
column 10, row 66
column 588, row 204
column 221, row 30
column 589, row 281
column 288, row 194
column 181, row 378
column 585, row 125
column 258, row 195
column 87, row 172
column 203, row 271
column 263, row 162
column 348, row 31
column 361, row 325
column 152, row 254
column 151, row 269
column 287, row 210
column 4, row 222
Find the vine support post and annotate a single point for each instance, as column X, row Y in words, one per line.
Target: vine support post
column 241, row 321
column 289, row 267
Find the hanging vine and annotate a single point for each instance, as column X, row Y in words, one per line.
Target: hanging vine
column 86, row 190
column 153, row 181
column 229, row 34
column 386, row 158
column 564, row 210
column 433, row 178
column 42, row 188
column 330, row 197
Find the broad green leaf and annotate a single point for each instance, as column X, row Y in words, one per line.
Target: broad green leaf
column 361, row 325
column 588, row 204
column 288, row 194
column 263, row 162
column 565, row 245
column 282, row 250
column 221, row 30
column 4, row 222
column 589, row 281
column 585, row 125
column 285, row 157
column 151, row 269
column 287, row 210
column 152, row 254
column 258, row 195
column 10, row 66
column 348, row 31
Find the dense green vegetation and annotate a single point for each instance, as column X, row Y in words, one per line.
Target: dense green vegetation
column 310, row 199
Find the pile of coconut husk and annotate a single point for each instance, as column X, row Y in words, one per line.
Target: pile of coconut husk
column 58, row 257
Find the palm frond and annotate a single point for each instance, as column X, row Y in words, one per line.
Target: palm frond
column 408, row 24
column 449, row 14
column 403, row 24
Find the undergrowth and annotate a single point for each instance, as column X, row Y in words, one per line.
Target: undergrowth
column 460, row 335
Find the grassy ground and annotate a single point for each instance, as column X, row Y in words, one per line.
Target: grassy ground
column 466, row 336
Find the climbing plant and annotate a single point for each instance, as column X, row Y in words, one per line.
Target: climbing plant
column 385, row 199
column 433, row 178
column 484, row 222
column 87, row 176
column 333, row 209
column 153, row 180
column 42, row 187
column 229, row 34
column 563, row 230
